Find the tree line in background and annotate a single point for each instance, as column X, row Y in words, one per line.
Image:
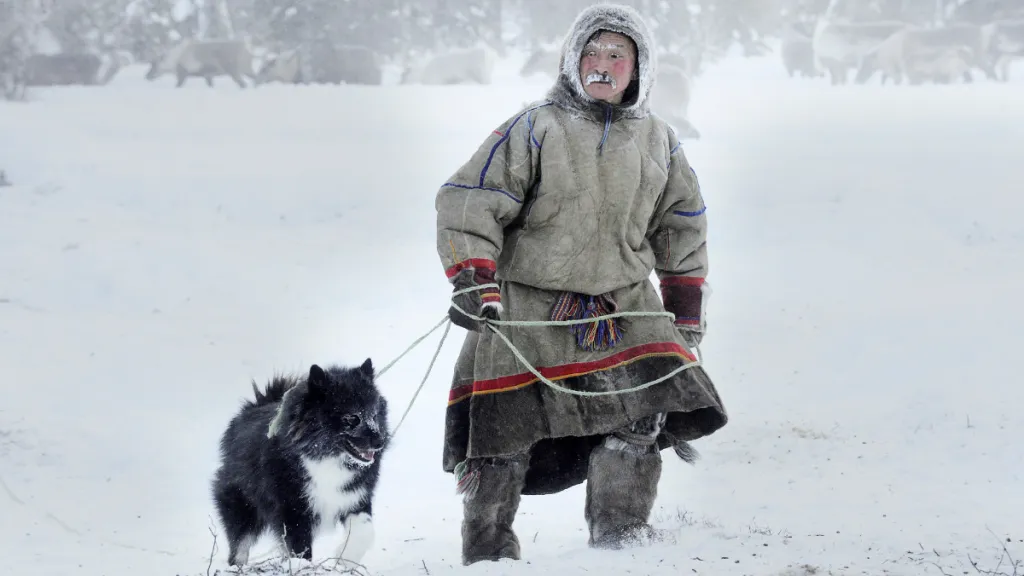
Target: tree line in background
column 398, row 29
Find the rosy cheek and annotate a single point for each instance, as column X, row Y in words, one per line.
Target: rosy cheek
column 619, row 68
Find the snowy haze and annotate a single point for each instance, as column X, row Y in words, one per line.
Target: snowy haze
column 160, row 248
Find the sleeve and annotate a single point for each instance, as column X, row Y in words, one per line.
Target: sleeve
column 679, row 240
column 486, row 194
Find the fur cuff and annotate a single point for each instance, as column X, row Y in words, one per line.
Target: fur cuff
column 686, row 297
column 492, row 304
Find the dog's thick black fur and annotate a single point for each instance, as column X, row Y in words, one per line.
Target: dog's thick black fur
column 303, row 455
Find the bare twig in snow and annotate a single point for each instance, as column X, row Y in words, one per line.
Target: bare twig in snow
column 1004, row 557
column 283, row 565
column 941, row 570
column 213, row 551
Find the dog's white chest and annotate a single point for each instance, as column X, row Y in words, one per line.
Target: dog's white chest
column 326, row 492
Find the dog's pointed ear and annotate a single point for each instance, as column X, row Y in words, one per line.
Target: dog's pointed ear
column 317, row 377
column 367, row 368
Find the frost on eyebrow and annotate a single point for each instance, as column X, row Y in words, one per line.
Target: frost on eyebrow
column 595, row 45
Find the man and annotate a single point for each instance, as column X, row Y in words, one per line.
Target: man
column 570, row 205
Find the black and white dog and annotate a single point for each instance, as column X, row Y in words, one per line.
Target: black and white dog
column 300, row 458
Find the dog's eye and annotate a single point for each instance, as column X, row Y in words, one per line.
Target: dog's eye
column 350, row 420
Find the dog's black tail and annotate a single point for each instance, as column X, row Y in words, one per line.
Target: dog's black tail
column 274, row 391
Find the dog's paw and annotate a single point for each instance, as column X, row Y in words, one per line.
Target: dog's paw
column 359, row 537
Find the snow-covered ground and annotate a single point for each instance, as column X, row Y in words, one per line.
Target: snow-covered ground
column 162, row 247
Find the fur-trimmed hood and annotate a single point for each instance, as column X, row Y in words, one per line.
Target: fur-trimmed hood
column 568, row 90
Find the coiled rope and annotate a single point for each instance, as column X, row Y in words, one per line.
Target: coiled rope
column 493, row 326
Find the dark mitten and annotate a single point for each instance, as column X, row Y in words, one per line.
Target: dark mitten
column 686, row 297
column 483, row 302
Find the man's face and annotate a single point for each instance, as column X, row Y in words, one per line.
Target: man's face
column 607, row 65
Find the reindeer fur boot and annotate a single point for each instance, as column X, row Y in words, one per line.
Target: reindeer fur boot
column 492, row 489
column 622, row 484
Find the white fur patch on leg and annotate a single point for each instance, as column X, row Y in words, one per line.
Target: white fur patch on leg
column 244, row 545
column 282, row 547
column 359, row 537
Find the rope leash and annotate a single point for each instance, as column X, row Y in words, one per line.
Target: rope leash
column 492, row 325
column 448, row 325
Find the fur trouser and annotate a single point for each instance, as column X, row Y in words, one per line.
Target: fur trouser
column 622, row 484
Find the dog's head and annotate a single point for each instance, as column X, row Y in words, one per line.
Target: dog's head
column 337, row 412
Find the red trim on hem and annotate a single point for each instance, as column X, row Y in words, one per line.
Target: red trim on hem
column 682, row 281
column 471, row 263
column 515, row 381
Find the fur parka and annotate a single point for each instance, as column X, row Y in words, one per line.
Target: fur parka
column 573, row 203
